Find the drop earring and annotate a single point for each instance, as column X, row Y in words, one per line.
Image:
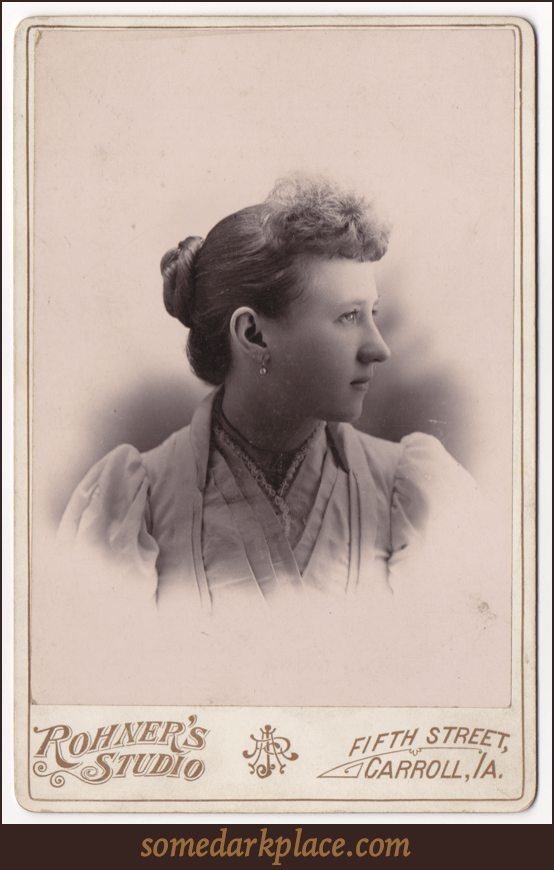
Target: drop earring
column 263, row 368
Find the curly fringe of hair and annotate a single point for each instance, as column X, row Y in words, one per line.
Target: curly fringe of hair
column 312, row 214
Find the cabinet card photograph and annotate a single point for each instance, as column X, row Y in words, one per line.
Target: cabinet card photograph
column 275, row 414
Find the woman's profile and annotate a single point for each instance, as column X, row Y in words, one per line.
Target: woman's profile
column 271, row 500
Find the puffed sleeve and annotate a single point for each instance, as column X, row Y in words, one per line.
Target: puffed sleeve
column 431, row 492
column 108, row 516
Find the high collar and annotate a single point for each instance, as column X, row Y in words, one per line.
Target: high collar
column 200, row 433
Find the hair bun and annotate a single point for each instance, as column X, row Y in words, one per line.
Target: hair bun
column 178, row 268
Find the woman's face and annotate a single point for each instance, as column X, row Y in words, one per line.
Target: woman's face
column 322, row 355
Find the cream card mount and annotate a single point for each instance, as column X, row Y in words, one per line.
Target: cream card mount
column 373, row 661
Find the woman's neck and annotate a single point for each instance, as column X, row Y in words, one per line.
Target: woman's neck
column 262, row 423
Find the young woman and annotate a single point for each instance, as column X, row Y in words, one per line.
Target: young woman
column 271, row 495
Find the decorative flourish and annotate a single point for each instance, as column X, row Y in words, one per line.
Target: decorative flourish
column 353, row 769
column 273, row 748
column 57, row 777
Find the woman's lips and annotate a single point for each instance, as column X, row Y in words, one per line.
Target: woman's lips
column 361, row 384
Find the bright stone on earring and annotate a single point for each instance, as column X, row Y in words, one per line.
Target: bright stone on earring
column 263, row 370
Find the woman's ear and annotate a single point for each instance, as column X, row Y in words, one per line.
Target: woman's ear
column 246, row 333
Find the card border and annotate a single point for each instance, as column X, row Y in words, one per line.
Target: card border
column 524, row 454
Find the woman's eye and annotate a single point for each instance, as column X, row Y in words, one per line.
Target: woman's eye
column 351, row 317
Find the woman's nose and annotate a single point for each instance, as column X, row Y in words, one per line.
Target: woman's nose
column 374, row 348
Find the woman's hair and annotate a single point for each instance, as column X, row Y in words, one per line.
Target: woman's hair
column 252, row 258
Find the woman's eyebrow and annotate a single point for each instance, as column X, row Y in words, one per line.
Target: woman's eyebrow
column 361, row 301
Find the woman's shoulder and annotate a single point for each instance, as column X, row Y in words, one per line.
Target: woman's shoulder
column 118, row 486
column 418, row 447
column 384, row 457
column 121, row 467
column 110, row 489
column 417, row 460
column 126, row 465
column 428, row 484
column 160, row 461
column 426, row 464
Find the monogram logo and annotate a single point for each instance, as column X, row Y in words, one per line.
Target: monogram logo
column 275, row 749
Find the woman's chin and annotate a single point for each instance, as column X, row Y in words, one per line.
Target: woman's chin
column 352, row 417
column 345, row 415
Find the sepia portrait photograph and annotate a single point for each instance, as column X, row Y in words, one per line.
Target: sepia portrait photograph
column 274, row 332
